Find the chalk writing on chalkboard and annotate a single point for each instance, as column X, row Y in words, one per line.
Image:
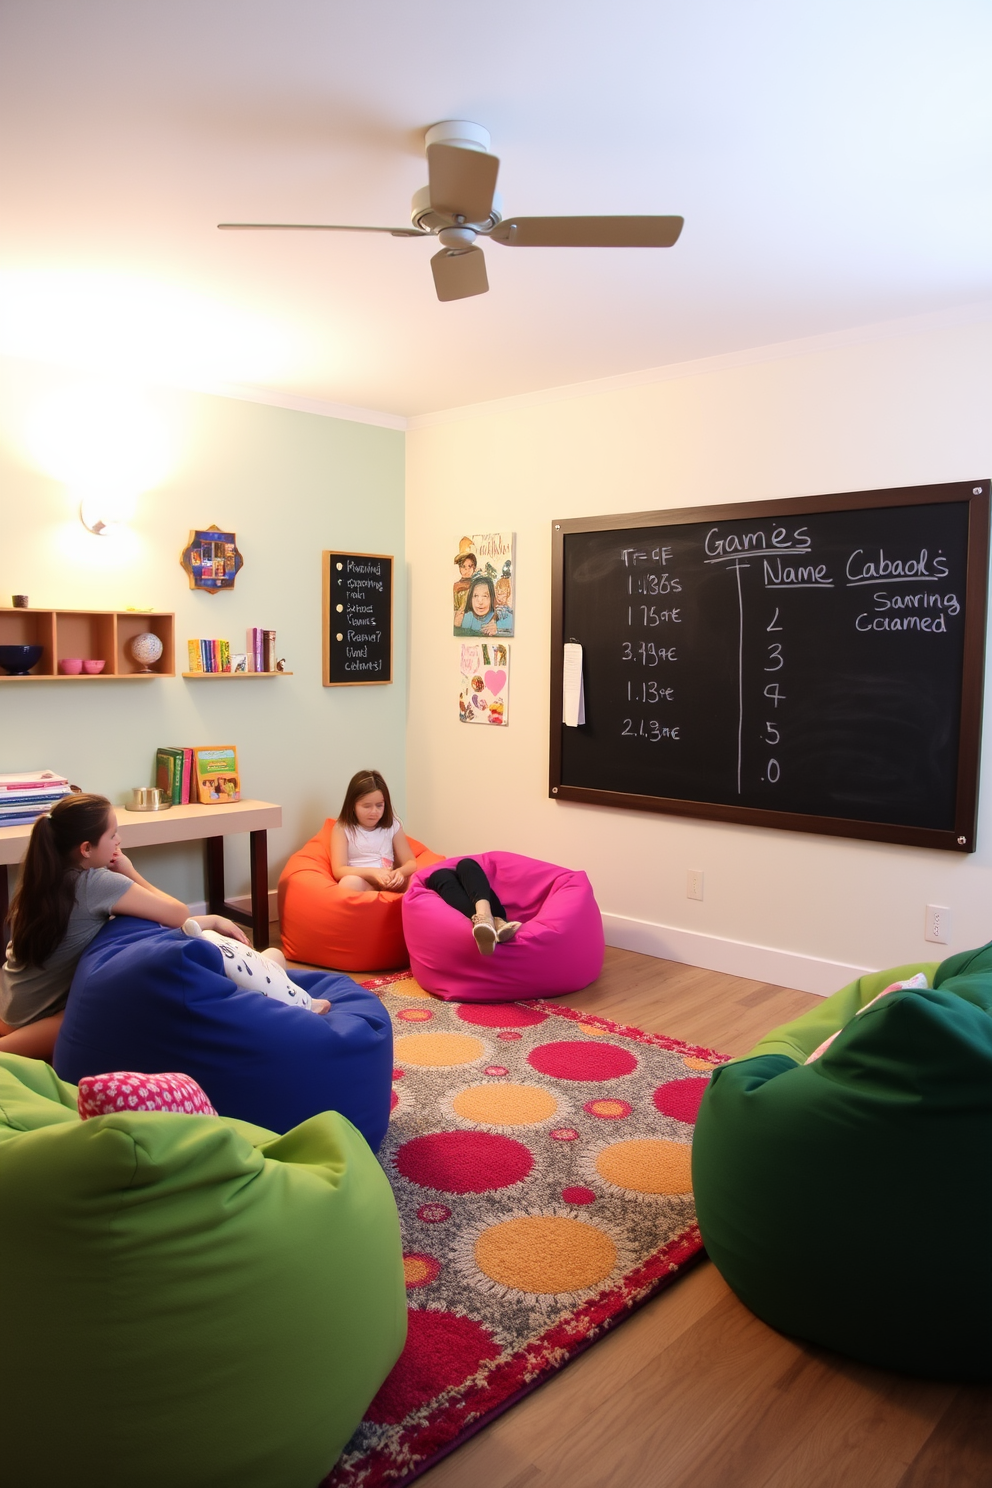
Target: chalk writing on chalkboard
column 814, row 663
column 357, row 619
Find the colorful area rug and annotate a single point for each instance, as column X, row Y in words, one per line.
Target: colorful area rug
column 540, row 1162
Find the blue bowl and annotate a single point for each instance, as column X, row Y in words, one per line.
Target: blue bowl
column 17, row 660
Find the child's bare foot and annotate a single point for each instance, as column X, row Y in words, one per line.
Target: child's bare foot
column 320, row 1005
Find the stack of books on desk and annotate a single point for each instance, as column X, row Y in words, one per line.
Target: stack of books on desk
column 28, row 794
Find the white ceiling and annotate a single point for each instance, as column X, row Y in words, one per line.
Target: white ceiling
column 831, row 159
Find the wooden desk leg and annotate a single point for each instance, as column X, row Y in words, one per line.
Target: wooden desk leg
column 215, row 874
column 259, row 889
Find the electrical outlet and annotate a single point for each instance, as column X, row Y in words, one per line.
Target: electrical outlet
column 938, row 924
column 694, row 883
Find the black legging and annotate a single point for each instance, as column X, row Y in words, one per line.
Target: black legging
column 464, row 886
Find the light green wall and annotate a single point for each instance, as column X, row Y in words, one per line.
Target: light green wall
column 290, row 484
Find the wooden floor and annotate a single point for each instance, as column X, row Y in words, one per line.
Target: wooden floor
column 693, row 1391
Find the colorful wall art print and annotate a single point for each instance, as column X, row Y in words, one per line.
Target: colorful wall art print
column 485, row 683
column 484, row 585
column 211, row 559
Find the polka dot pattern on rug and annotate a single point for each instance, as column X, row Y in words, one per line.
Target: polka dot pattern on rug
column 647, row 1166
column 505, row 1105
column 464, row 1162
column 438, row 1050
column 420, row 1270
column 582, row 1061
column 499, row 1015
column 540, row 1162
column 607, row 1109
column 681, row 1098
column 543, row 1254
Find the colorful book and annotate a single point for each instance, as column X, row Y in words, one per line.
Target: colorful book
column 205, row 655
column 216, row 774
column 269, row 650
column 195, row 657
column 169, row 773
column 225, row 655
column 32, row 780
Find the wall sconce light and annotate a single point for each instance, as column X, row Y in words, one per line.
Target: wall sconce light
column 101, row 515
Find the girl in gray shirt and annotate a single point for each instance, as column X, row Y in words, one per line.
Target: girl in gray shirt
column 74, row 876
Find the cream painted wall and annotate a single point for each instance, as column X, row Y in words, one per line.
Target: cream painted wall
column 289, row 484
column 788, row 907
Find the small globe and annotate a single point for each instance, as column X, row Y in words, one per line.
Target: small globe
column 146, row 649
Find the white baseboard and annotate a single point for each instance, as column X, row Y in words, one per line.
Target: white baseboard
column 241, row 901
column 737, row 957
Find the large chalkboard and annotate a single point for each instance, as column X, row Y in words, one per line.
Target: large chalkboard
column 357, row 619
column 814, row 663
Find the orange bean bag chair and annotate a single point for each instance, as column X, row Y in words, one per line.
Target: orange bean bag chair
column 326, row 926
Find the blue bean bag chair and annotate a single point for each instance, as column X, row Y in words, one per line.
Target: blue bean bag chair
column 150, row 999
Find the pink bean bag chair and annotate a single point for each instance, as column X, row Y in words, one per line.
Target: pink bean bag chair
column 559, row 947
column 325, row 925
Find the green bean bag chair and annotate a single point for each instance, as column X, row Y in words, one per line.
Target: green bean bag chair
column 849, row 1201
column 187, row 1301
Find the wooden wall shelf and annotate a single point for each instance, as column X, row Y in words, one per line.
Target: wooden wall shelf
column 230, row 676
column 91, row 634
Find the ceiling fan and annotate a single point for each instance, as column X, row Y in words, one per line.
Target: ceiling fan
column 460, row 204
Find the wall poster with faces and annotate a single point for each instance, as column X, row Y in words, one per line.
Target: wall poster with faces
column 483, row 587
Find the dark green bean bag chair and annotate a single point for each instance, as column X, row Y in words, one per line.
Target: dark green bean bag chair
column 186, row 1301
column 849, row 1201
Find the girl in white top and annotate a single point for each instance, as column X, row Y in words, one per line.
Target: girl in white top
column 369, row 850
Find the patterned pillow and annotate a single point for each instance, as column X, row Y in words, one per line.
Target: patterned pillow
column 918, row 981
column 124, row 1090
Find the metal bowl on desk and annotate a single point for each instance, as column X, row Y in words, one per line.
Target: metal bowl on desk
column 148, row 798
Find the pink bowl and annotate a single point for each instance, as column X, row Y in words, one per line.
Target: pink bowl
column 92, row 667
column 71, row 665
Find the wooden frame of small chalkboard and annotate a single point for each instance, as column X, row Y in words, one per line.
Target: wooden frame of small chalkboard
column 357, row 619
column 813, row 664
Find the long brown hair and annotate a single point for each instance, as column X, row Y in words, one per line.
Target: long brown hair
column 39, row 913
column 363, row 784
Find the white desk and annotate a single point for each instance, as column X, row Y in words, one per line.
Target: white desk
column 209, row 824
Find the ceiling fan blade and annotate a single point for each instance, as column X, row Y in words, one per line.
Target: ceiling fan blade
column 396, row 232
column 458, row 276
column 588, row 232
column 462, row 182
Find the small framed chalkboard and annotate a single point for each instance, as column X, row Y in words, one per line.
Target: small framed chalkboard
column 814, row 663
column 357, row 619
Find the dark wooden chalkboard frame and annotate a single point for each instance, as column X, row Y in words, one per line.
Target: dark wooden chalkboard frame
column 329, row 643
column 962, row 838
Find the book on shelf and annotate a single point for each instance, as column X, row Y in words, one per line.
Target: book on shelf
column 269, row 650
column 209, row 655
column 215, row 772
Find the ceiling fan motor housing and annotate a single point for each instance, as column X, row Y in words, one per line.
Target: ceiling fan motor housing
column 426, row 220
column 464, row 135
